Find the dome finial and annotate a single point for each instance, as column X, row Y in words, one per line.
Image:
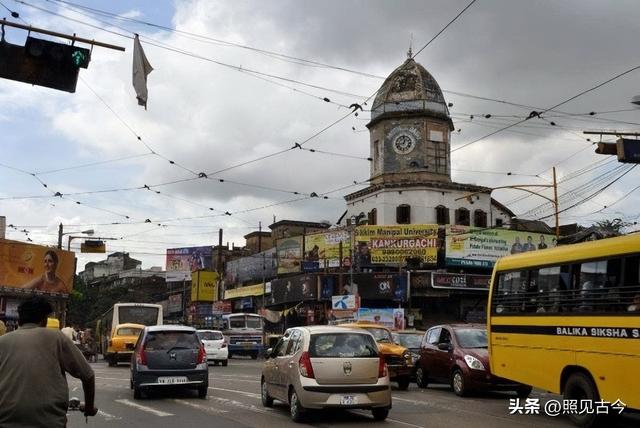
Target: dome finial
column 410, row 52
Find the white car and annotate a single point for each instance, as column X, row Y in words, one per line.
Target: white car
column 215, row 346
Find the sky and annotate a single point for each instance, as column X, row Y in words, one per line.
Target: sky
column 236, row 84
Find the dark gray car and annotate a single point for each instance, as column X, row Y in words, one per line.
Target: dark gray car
column 169, row 355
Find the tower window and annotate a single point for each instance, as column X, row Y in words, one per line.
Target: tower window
column 479, row 218
column 373, row 216
column 499, row 222
column 462, row 217
column 442, row 214
column 403, row 214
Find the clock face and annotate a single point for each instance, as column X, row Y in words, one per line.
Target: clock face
column 403, row 144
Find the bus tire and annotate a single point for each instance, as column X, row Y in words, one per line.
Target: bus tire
column 524, row 391
column 579, row 386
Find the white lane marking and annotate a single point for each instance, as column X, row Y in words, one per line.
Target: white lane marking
column 233, row 380
column 201, row 407
column 113, row 378
column 143, row 408
column 108, row 417
column 250, row 407
column 245, row 393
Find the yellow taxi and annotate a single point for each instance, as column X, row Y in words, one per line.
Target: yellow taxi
column 398, row 358
column 122, row 343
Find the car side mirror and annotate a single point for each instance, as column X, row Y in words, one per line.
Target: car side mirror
column 269, row 353
column 445, row 346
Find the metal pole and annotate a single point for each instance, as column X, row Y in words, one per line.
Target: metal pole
column 62, row 35
column 60, row 236
column 555, row 202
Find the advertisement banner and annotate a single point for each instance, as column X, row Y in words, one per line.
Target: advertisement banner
column 322, row 250
column 348, row 301
column 35, row 267
column 394, row 244
column 204, row 286
column 463, row 281
column 389, row 317
column 294, row 289
column 182, row 261
column 250, row 269
column 473, row 247
column 289, row 252
column 378, row 286
column 175, row 303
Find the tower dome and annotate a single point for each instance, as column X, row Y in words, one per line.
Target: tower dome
column 410, row 89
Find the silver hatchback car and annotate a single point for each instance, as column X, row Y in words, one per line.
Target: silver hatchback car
column 319, row 367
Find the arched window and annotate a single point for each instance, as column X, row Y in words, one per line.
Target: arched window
column 462, row 216
column 442, row 214
column 373, row 216
column 403, row 214
column 479, row 218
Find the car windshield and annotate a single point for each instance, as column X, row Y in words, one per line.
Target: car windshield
column 166, row 340
column 210, row 335
column 342, row 345
column 128, row 331
column 471, row 337
column 410, row 340
column 380, row 334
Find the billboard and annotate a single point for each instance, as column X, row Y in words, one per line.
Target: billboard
column 289, row 252
column 322, row 250
column 204, row 286
column 473, row 247
column 182, row 261
column 35, row 267
column 294, row 289
column 250, row 269
column 389, row 317
column 394, row 244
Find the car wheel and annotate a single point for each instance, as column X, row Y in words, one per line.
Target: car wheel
column 581, row 387
column 524, row 391
column 224, row 363
column 267, row 400
column 131, row 383
column 137, row 392
column 458, row 383
column 202, row 391
column 379, row 413
column 403, row 383
column 421, row 378
column 295, row 408
column 112, row 362
column 230, row 355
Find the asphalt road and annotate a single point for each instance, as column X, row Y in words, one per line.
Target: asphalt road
column 234, row 401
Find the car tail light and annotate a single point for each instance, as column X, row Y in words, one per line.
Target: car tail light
column 306, row 369
column 202, row 355
column 141, row 358
column 382, row 368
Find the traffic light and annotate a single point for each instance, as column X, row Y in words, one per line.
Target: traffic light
column 627, row 150
column 43, row 63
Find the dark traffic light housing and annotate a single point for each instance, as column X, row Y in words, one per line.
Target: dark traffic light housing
column 43, row 63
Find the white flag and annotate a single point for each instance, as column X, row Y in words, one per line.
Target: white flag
column 141, row 69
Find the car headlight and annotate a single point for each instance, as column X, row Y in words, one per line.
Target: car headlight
column 473, row 362
column 407, row 357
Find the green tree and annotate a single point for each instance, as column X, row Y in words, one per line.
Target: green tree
column 615, row 226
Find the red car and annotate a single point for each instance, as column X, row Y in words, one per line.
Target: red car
column 458, row 355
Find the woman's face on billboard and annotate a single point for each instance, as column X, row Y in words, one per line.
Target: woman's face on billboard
column 49, row 263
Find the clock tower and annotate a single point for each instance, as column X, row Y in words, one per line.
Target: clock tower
column 410, row 129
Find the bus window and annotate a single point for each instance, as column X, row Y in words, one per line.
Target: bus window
column 597, row 286
column 512, row 287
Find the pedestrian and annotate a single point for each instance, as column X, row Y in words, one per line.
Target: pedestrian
column 34, row 362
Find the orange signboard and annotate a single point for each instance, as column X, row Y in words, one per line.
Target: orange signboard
column 35, row 267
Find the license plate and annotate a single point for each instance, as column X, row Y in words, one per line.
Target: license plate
column 248, row 345
column 172, row 380
column 348, row 400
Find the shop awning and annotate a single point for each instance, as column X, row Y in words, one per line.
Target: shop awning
column 246, row 291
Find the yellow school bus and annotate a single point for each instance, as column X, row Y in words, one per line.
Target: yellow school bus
column 567, row 320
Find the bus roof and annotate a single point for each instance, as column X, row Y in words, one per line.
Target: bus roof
column 570, row 253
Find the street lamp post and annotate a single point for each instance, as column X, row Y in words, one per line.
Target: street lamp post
column 61, row 234
column 525, row 187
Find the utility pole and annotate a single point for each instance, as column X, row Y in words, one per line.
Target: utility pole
column 60, row 237
column 555, row 204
